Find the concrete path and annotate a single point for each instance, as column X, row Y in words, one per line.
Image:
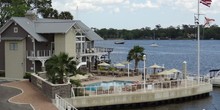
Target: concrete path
column 30, row 95
column 5, row 94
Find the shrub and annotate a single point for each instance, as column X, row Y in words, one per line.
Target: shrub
column 27, row 76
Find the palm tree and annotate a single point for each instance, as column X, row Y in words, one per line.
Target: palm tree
column 136, row 54
column 59, row 66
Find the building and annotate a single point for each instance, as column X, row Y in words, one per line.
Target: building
column 27, row 42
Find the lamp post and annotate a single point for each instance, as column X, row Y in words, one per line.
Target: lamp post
column 144, row 58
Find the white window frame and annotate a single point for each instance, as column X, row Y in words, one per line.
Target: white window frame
column 13, row 46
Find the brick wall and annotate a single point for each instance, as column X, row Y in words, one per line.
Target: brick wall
column 49, row 89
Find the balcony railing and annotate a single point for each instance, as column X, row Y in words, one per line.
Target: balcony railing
column 95, row 50
column 39, row 54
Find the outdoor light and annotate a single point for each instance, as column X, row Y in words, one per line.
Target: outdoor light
column 144, row 58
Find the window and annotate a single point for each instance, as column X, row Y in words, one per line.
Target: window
column 13, row 46
column 15, row 29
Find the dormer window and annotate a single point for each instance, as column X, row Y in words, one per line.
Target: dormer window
column 15, row 29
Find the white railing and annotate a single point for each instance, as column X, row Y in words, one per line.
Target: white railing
column 136, row 87
column 40, row 53
column 62, row 104
column 95, row 50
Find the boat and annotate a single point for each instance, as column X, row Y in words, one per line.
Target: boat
column 119, row 42
column 214, row 76
column 154, row 45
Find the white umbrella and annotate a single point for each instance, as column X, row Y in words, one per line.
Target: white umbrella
column 155, row 66
column 174, row 71
column 78, row 77
column 165, row 72
column 103, row 64
column 119, row 65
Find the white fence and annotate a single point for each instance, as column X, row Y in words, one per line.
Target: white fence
column 62, row 104
column 136, row 87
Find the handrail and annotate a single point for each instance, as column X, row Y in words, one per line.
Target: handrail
column 62, row 104
column 39, row 53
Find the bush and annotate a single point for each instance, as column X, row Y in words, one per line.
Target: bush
column 27, row 76
column 77, row 83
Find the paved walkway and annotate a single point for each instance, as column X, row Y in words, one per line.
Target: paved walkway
column 8, row 92
column 30, row 95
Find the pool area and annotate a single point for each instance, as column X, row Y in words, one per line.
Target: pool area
column 108, row 84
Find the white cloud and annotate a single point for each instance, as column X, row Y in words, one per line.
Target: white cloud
column 117, row 5
column 190, row 5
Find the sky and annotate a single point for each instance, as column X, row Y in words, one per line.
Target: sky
column 136, row 14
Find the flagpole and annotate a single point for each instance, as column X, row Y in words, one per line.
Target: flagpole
column 198, row 39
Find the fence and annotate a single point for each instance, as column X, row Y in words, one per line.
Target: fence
column 62, row 104
column 136, row 87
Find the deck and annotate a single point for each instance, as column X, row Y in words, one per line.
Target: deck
column 156, row 91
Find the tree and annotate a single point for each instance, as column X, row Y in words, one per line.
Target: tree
column 65, row 15
column 48, row 13
column 9, row 8
column 136, row 54
column 59, row 66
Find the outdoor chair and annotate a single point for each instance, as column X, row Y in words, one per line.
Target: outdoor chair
column 100, row 90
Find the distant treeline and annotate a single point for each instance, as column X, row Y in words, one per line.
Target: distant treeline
column 179, row 32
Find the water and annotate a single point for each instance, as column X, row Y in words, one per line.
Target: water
column 172, row 53
column 107, row 84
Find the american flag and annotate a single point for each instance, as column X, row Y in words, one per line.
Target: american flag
column 206, row 2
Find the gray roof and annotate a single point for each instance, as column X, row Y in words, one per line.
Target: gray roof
column 41, row 26
column 29, row 26
column 53, row 25
column 89, row 33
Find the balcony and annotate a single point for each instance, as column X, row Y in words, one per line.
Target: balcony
column 94, row 51
column 39, row 54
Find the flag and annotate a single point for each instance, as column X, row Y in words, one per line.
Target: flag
column 206, row 2
column 208, row 21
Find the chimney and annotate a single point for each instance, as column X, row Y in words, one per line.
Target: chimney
column 31, row 15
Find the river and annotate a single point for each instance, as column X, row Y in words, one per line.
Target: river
column 171, row 54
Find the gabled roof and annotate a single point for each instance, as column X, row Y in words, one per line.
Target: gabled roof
column 27, row 25
column 43, row 26
column 89, row 33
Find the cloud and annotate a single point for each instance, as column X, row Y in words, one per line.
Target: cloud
column 147, row 4
column 117, row 5
column 190, row 5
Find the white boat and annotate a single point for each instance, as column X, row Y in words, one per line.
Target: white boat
column 119, row 42
column 214, row 76
column 154, row 45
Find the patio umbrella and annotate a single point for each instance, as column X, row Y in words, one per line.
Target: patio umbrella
column 174, row 71
column 165, row 72
column 119, row 65
column 103, row 64
column 78, row 77
column 155, row 66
